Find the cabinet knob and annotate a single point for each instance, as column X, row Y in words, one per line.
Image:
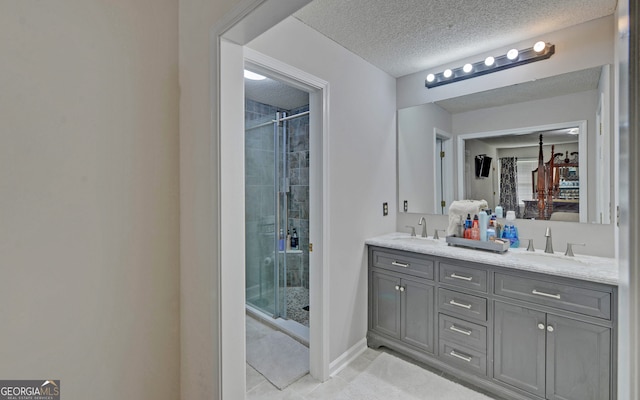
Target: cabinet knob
column 541, row 326
column 550, row 328
column 397, row 287
column 402, row 288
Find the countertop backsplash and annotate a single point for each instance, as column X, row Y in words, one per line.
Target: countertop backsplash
column 599, row 239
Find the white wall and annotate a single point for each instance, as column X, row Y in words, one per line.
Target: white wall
column 89, row 207
column 578, row 47
column 416, row 144
column 362, row 172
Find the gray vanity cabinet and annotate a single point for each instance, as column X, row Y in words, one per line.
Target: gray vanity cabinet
column 522, row 335
column 403, row 308
column 520, row 347
column 553, row 357
column 401, row 298
column 578, row 360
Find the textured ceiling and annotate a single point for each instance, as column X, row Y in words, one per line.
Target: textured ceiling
column 406, row 36
column 572, row 82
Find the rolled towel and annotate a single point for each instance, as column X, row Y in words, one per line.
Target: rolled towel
column 459, row 209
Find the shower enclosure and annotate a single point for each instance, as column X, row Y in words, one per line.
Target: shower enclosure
column 277, row 209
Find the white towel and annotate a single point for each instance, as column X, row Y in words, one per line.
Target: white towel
column 459, row 209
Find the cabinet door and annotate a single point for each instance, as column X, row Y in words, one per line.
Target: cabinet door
column 386, row 304
column 519, row 347
column 578, row 360
column 417, row 303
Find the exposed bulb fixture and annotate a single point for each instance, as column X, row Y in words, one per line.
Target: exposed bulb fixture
column 512, row 54
column 253, row 76
column 539, row 46
column 573, row 131
column 513, row 58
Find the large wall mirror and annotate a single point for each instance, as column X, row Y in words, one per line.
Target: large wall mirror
column 490, row 145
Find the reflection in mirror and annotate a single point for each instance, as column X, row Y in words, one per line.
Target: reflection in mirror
column 576, row 100
column 513, row 180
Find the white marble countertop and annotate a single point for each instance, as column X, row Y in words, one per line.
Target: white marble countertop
column 587, row 268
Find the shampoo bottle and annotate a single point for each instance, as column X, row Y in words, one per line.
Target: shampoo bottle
column 499, row 212
column 281, row 240
column 475, row 229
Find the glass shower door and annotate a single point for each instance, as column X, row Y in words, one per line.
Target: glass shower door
column 266, row 214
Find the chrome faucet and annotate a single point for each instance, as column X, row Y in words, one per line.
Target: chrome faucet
column 549, row 247
column 423, row 222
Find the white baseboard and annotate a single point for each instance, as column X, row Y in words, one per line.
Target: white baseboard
column 347, row 357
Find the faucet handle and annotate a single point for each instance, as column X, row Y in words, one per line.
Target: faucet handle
column 435, row 233
column 547, row 233
column 530, row 246
column 413, row 230
column 569, row 252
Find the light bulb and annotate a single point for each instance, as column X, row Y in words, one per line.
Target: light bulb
column 489, row 61
column 512, row 54
column 253, row 76
column 539, row 46
column 447, row 73
column 431, row 78
column 467, row 68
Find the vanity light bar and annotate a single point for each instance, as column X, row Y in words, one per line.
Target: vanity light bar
column 512, row 59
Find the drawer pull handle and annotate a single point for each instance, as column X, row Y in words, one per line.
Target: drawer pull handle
column 455, row 303
column 464, row 278
column 463, row 331
column 460, row 356
column 554, row 296
column 397, row 264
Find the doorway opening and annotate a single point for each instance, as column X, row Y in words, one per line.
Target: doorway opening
column 277, row 203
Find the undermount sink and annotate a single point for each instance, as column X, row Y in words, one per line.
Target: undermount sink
column 540, row 256
column 418, row 240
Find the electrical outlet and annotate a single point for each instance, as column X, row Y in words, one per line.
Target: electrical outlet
column 406, row 206
column 385, row 209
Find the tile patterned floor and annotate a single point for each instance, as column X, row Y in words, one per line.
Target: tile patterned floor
column 389, row 375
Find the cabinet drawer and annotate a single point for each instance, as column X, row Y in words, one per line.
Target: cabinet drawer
column 463, row 332
column 466, row 305
column 404, row 263
column 464, row 277
column 463, row 357
column 571, row 298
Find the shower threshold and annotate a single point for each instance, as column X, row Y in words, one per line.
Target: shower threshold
column 290, row 327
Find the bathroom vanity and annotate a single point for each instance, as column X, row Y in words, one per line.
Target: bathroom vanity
column 521, row 325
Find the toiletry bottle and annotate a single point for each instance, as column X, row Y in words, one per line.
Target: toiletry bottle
column 483, row 221
column 510, row 231
column 498, row 211
column 475, row 229
column 288, row 241
column 281, row 240
column 294, row 240
column 467, row 227
column 491, row 230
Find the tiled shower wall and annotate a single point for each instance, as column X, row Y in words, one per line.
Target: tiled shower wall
column 260, row 207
